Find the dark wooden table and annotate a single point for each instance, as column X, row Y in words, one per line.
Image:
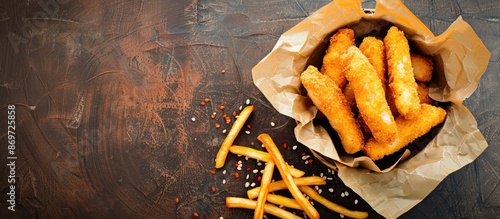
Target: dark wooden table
column 109, row 121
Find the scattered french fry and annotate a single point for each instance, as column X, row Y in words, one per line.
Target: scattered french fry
column 235, row 202
column 280, row 185
column 332, row 206
column 283, row 201
column 264, row 188
column 286, row 176
column 262, row 156
column 220, row 158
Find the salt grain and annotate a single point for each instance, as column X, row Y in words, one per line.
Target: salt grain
column 224, row 131
column 193, row 119
column 320, row 191
column 255, row 171
column 252, row 185
column 223, row 181
column 224, row 172
column 273, row 124
column 341, row 215
column 346, row 193
column 248, row 101
column 248, row 176
column 329, row 178
column 247, row 132
column 342, row 194
column 247, row 184
column 330, row 189
column 355, row 201
column 294, row 147
column 259, row 164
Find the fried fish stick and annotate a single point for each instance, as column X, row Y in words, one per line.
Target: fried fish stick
column 390, row 100
column 369, row 94
column 401, row 80
column 328, row 97
column 422, row 67
column 408, row 131
column 339, row 42
column 423, row 93
column 374, row 50
column 349, row 96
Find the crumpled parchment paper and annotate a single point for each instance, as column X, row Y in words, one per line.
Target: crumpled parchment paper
column 460, row 60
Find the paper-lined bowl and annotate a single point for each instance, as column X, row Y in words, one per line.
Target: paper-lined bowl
column 460, row 59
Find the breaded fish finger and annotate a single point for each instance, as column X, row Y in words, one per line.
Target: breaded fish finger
column 422, row 67
column 339, row 42
column 349, row 96
column 369, row 94
column 328, row 97
column 423, row 93
column 401, row 80
column 408, row 131
column 374, row 50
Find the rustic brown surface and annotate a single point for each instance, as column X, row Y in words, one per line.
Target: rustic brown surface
column 105, row 93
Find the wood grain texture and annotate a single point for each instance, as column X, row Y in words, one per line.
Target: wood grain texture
column 106, row 92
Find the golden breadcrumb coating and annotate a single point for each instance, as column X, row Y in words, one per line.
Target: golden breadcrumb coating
column 328, row 98
column 374, row 50
column 369, row 94
column 408, row 131
column 423, row 93
column 339, row 42
column 422, row 67
column 349, row 96
column 401, row 80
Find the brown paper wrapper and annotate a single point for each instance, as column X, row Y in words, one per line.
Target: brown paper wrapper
column 460, row 59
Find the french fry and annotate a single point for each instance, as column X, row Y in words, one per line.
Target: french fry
column 280, row 185
column 220, row 158
column 284, row 201
column 235, row 202
column 264, row 188
column 332, row 206
column 286, row 176
column 262, row 156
